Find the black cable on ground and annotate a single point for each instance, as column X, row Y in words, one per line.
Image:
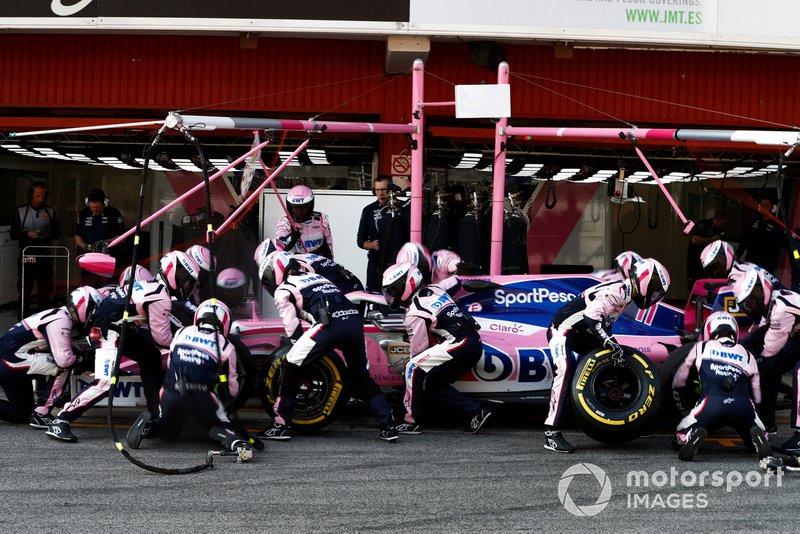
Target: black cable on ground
column 121, row 346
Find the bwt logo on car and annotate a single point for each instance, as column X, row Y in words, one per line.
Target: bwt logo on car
column 537, row 295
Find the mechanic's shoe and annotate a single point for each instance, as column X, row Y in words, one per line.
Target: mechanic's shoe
column 243, row 451
column 792, row 445
column 388, row 433
column 554, row 441
column 791, row 463
column 59, row 429
column 760, row 442
column 694, row 439
column 275, row 432
column 40, row 421
column 770, row 464
column 771, row 430
column 138, row 430
column 409, row 428
column 477, row 422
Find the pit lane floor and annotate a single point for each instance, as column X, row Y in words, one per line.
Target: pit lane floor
column 344, row 479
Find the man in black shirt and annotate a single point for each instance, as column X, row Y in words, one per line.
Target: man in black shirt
column 703, row 233
column 762, row 240
column 95, row 223
column 369, row 234
column 35, row 225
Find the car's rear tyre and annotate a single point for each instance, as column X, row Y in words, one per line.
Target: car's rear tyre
column 320, row 395
column 613, row 404
column 678, row 402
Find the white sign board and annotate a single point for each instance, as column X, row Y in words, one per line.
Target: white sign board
column 343, row 209
column 489, row 101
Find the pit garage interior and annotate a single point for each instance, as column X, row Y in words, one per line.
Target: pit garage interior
column 580, row 217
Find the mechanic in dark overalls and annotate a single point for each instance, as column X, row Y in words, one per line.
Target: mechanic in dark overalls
column 335, row 324
column 584, row 324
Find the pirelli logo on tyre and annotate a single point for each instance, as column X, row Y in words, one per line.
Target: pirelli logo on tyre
column 587, row 371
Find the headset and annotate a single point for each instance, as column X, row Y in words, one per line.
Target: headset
column 382, row 178
column 95, row 195
column 36, row 185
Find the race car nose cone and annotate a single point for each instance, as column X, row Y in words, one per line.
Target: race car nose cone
column 97, row 263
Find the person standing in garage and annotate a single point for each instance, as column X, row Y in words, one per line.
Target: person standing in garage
column 97, row 224
column 35, row 224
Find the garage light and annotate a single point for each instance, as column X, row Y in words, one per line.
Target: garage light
column 469, row 160
column 317, row 156
column 285, row 155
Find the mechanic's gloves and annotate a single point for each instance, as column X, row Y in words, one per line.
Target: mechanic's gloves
column 294, row 237
column 100, row 246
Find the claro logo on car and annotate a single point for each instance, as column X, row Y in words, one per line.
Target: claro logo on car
column 537, row 295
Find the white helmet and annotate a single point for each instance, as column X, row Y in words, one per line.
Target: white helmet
column 140, row 274
column 721, row 324
column 83, row 303
column 213, row 313
column 300, row 196
column 179, row 272
column 624, row 261
column 753, row 292
column 445, row 261
column 417, row 255
column 265, row 248
column 273, row 269
column 651, row 280
column 717, row 259
column 201, row 255
column 400, row 282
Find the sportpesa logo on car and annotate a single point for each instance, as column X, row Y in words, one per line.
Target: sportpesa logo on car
column 536, row 295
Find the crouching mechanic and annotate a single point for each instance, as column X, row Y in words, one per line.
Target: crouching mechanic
column 335, row 324
column 775, row 344
column 730, row 387
column 307, row 230
column 431, row 312
column 584, row 324
column 148, row 332
column 197, row 355
column 42, row 345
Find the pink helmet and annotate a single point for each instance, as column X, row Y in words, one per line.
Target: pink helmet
column 417, row 255
column 141, row 274
column 300, row 196
column 651, row 281
column 213, row 313
column 717, row 259
column 201, row 255
column 179, row 272
column 273, row 269
column 624, row 261
column 400, row 282
column 721, row 324
column 753, row 292
column 445, row 262
column 265, row 248
column 82, row 303
column 232, row 286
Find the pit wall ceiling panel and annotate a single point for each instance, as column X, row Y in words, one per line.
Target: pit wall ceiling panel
column 84, row 74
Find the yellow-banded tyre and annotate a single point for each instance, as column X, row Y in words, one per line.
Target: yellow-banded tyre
column 613, row 404
column 321, row 391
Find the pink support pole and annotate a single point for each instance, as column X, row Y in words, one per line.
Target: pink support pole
column 418, row 122
column 688, row 225
column 232, row 217
column 499, row 187
column 190, row 192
